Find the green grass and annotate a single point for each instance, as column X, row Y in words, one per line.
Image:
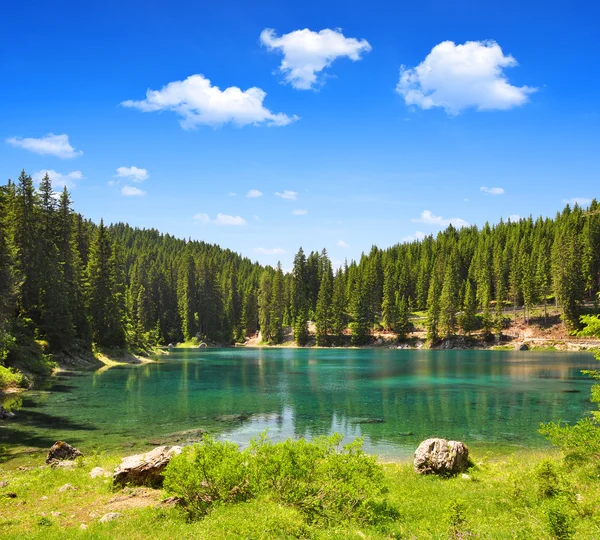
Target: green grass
column 526, row 495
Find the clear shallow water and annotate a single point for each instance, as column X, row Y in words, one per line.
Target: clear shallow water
column 395, row 398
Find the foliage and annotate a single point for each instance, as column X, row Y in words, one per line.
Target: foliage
column 78, row 282
column 326, row 483
column 10, row 377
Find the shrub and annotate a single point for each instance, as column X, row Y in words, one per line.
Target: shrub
column 325, row 482
column 560, row 523
column 10, row 377
column 548, row 480
column 455, row 517
column 207, row 474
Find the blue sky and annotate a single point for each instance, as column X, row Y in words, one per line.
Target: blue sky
column 502, row 96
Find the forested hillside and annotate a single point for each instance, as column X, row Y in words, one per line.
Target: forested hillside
column 69, row 282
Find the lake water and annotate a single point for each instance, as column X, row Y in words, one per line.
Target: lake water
column 394, row 398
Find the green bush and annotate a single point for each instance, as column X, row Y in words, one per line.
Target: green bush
column 10, row 377
column 456, row 519
column 208, row 474
column 560, row 523
column 550, row 482
column 325, row 482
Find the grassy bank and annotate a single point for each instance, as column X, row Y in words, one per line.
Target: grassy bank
column 529, row 495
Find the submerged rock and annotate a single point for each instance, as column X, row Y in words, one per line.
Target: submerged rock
column 189, row 436
column 62, row 451
column 368, row 420
column 232, row 417
column 440, row 456
column 145, row 469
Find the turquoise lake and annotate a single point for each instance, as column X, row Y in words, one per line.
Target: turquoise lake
column 394, row 398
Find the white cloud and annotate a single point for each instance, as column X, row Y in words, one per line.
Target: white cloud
column 431, row 219
column 287, row 194
column 514, row 217
column 254, row 193
column 224, row 219
column 221, row 219
column 492, row 190
column 307, row 53
column 580, row 201
column 458, row 77
column 201, row 218
column 232, row 194
column 197, row 102
column 256, row 218
column 342, row 244
column 50, row 144
column 58, row 180
column 300, row 212
column 132, row 191
column 419, row 235
column 132, row 173
column 266, row 251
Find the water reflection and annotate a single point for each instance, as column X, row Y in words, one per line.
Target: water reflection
column 393, row 397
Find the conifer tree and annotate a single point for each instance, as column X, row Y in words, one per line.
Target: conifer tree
column 264, row 306
column 389, row 307
column 449, row 300
column 324, row 311
column 338, row 308
column 277, row 308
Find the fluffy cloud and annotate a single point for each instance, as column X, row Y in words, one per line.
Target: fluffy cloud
column 417, row 236
column 201, row 218
column 342, row 244
column 132, row 191
column 132, row 173
column 265, row 251
column 50, row 144
column 514, row 218
column 221, row 219
column 307, row 53
column 431, row 219
column 58, row 180
column 492, row 190
column 457, row 77
column 198, row 102
column 300, row 212
column 224, row 219
column 254, row 193
column 580, row 201
column 287, row 194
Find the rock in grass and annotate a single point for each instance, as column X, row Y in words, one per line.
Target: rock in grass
column 99, row 471
column 442, row 457
column 111, row 516
column 145, row 469
column 67, row 487
column 62, row 451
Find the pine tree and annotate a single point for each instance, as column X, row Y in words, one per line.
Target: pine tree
column 104, row 302
column 324, row 311
column 277, row 308
column 188, row 298
column 338, row 308
column 449, row 300
column 434, row 307
column 361, row 324
column 389, row 306
column 264, row 305
column 468, row 318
